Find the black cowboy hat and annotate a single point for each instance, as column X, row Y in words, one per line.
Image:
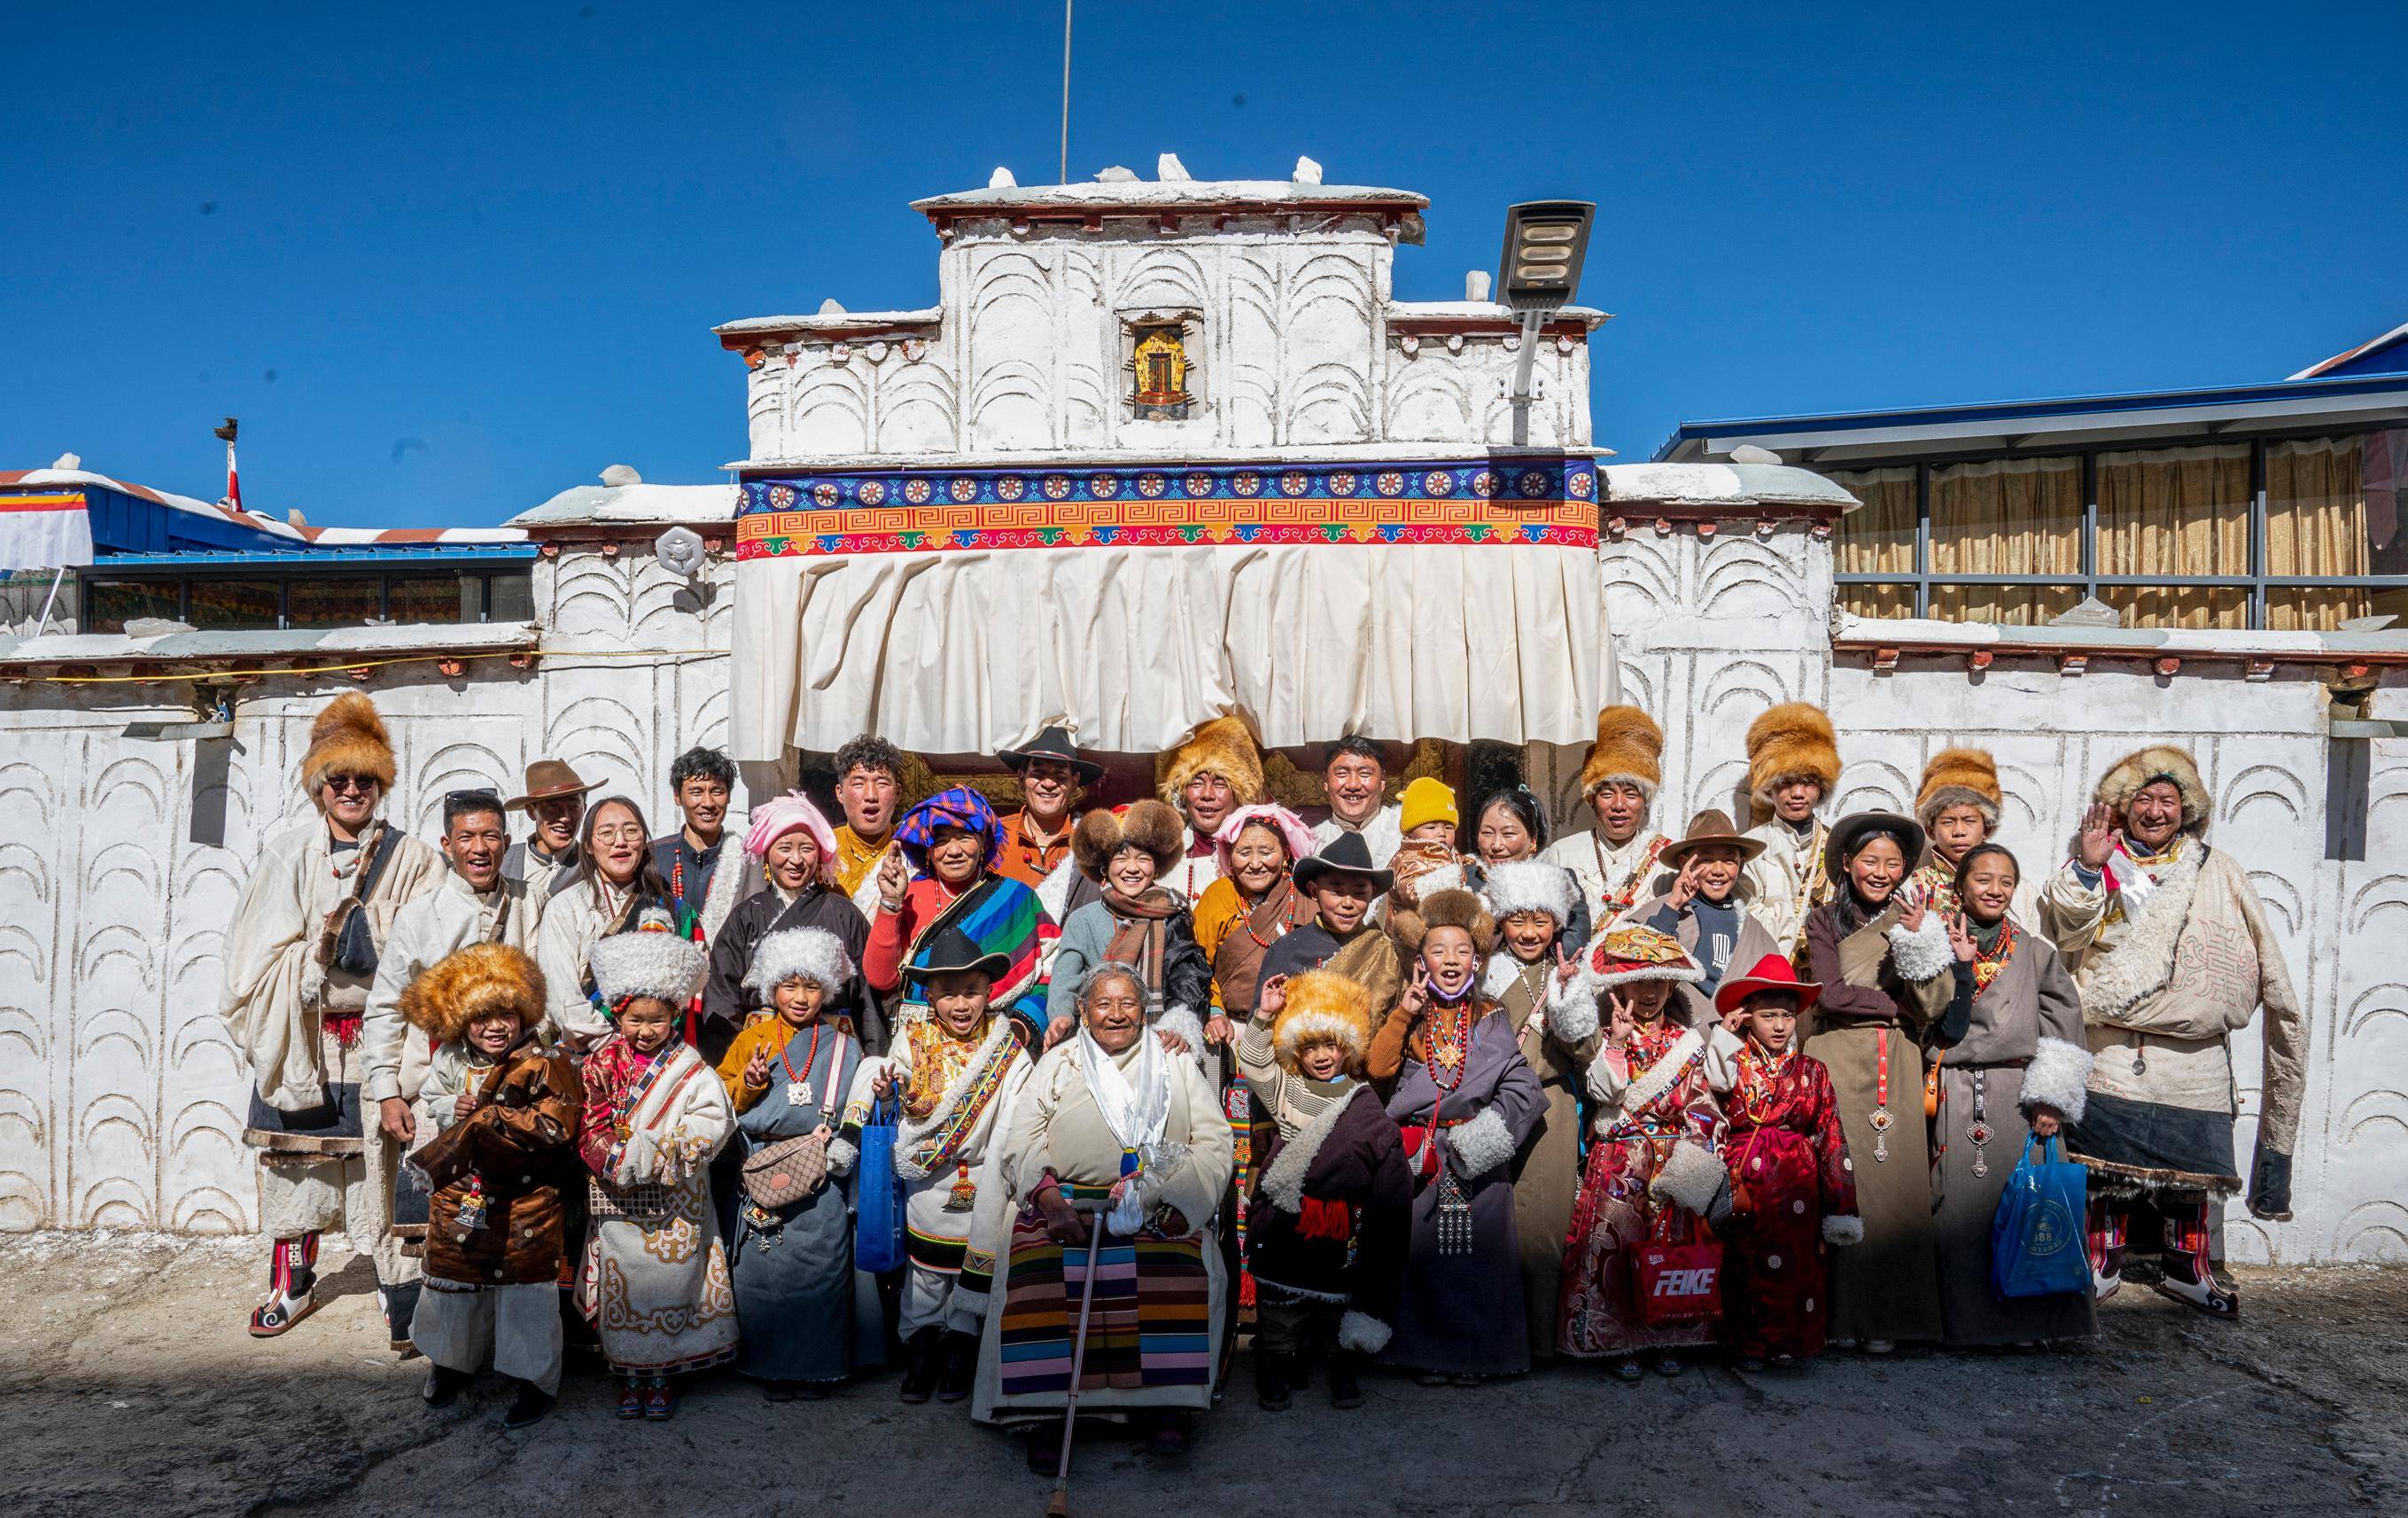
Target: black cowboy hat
column 1345, row 854
column 955, row 950
column 1052, row 743
column 1848, row 833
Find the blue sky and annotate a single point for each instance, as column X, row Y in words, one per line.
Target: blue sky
column 445, row 261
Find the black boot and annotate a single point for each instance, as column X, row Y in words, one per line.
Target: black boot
column 444, row 1385
column 960, row 1358
column 400, row 1309
column 1273, row 1373
column 1345, row 1380
column 528, row 1407
column 926, row 1349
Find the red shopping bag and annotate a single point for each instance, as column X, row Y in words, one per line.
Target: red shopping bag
column 1679, row 1282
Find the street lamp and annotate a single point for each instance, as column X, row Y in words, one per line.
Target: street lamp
column 1545, row 241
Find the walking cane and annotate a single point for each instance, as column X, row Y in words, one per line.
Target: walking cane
column 1059, row 1505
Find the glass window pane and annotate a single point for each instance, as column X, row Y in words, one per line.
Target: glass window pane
column 234, row 605
column 1878, row 600
column 2021, row 606
column 333, row 603
column 2177, row 511
column 2178, row 605
column 425, row 599
column 1877, row 537
column 2333, row 508
column 109, row 605
column 509, row 596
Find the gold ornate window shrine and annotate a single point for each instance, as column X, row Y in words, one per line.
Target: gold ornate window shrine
column 1158, row 365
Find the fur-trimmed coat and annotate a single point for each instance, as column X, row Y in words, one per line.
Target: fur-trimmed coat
column 2178, row 978
column 519, row 1144
column 1331, row 1214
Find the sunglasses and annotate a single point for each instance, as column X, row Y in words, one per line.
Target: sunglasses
column 361, row 784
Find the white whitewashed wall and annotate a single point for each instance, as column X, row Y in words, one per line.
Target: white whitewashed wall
column 120, row 1098
column 120, row 1101
column 1709, row 632
column 1027, row 354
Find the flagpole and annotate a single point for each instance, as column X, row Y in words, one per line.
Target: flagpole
column 1063, row 174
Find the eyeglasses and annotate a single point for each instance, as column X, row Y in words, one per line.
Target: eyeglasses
column 364, row 784
column 628, row 833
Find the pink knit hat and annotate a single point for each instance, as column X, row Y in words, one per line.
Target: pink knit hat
column 779, row 816
column 1287, row 825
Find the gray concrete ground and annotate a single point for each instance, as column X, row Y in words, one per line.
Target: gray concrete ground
column 127, row 1387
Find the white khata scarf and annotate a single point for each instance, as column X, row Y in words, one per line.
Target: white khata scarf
column 1136, row 1108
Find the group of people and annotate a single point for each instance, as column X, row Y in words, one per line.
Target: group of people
column 1420, row 1085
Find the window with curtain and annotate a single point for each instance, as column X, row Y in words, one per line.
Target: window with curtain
column 2006, row 517
column 2175, row 511
column 2332, row 509
column 1876, row 538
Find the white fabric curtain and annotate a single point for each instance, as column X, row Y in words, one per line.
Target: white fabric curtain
column 959, row 652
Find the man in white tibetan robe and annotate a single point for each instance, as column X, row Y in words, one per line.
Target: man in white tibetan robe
column 294, row 994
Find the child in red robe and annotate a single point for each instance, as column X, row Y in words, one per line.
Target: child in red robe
column 1793, row 1193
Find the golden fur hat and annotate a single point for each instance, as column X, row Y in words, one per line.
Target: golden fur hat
column 1791, row 741
column 1153, row 825
column 476, row 981
column 1629, row 747
column 1322, row 1006
column 2126, row 776
column 1960, row 778
column 1450, row 907
column 347, row 738
column 1224, row 745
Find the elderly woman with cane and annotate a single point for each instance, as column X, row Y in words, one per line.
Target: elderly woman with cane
column 1113, row 1159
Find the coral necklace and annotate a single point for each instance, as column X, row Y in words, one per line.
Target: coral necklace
column 1450, row 1041
column 799, row 1084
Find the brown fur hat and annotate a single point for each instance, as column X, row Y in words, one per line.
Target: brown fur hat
column 1322, row 1007
column 1793, row 740
column 347, row 738
column 1227, row 747
column 1960, row 778
column 1149, row 824
column 1629, row 747
column 473, row 982
column 1452, row 908
column 2126, row 776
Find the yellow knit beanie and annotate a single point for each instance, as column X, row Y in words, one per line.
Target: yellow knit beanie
column 1427, row 800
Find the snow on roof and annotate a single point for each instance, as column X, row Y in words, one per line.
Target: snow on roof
column 833, row 322
column 636, row 505
column 350, row 537
column 1167, row 195
column 1721, row 484
column 99, row 648
column 69, row 479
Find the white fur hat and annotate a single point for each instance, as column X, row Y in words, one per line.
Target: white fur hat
column 1532, row 885
column 645, row 962
column 808, row 954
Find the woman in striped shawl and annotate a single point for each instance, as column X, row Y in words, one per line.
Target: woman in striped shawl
column 953, row 839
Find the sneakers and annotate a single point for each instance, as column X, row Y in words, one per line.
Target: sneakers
column 1272, row 1391
column 529, row 1407
column 444, row 1385
column 960, row 1373
column 920, row 1374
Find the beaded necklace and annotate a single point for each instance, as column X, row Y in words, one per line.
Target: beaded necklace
column 1988, row 962
column 1450, row 1041
column 799, row 1084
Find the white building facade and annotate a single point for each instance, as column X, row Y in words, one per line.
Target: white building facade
column 955, row 522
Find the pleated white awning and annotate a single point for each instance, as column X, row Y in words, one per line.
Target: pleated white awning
column 1454, row 600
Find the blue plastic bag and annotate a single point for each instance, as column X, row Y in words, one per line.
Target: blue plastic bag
column 2037, row 1245
column 878, row 1195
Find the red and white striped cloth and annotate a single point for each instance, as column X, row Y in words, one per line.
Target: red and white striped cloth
column 44, row 530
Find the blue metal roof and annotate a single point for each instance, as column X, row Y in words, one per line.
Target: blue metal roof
column 2285, row 395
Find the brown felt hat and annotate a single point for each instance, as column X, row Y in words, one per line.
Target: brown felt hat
column 1711, row 826
column 548, row 778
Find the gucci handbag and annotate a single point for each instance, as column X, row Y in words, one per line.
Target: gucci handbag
column 784, row 1173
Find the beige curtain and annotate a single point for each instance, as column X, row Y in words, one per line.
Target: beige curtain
column 1877, row 539
column 2315, row 525
column 2175, row 511
column 2006, row 517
